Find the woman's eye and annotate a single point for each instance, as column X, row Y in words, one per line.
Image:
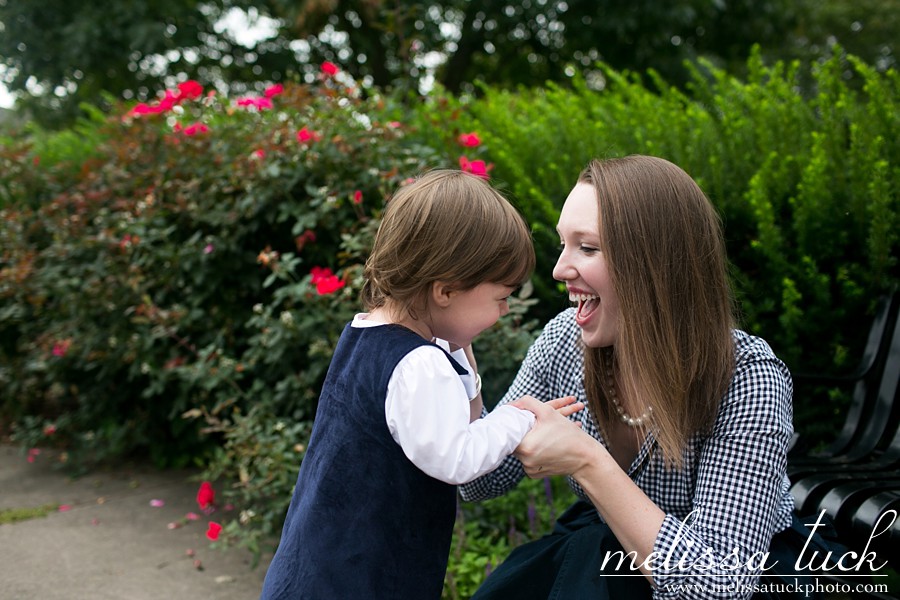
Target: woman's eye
column 584, row 249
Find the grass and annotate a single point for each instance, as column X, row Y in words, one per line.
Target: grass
column 16, row 515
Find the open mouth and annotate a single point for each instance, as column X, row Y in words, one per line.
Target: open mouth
column 587, row 306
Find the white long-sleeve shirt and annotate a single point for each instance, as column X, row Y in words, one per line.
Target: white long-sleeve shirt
column 427, row 413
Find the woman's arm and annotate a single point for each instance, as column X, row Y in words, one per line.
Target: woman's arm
column 736, row 488
column 556, row 446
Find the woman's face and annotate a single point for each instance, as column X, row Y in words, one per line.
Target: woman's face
column 582, row 267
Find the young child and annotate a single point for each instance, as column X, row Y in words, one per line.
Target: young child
column 373, row 509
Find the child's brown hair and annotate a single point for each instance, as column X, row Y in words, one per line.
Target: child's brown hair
column 445, row 226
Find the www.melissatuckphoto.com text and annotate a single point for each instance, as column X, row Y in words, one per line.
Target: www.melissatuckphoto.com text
column 808, row 587
column 814, row 573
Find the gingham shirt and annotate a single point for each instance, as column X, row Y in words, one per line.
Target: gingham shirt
column 732, row 494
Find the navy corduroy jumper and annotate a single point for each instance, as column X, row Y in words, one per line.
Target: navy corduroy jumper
column 364, row 522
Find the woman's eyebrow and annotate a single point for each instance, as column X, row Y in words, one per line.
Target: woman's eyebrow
column 580, row 233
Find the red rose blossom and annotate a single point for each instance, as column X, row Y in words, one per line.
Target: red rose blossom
column 206, row 496
column 212, row 532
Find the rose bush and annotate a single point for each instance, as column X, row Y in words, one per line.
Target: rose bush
column 176, row 290
column 206, row 254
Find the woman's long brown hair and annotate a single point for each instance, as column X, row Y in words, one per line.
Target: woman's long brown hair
column 665, row 250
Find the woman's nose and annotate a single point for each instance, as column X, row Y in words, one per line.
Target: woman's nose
column 563, row 269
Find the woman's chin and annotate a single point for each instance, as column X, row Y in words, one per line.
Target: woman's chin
column 593, row 336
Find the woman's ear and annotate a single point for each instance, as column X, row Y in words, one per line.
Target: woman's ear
column 442, row 293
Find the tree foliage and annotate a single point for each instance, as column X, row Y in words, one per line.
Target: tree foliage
column 529, row 42
column 58, row 54
column 868, row 29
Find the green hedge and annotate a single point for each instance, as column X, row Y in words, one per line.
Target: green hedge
column 807, row 185
column 156, row 279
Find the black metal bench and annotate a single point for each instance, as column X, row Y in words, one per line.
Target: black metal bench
column 863, row 426
column 856, row 478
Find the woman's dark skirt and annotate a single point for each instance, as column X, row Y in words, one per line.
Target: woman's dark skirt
column 569, row 564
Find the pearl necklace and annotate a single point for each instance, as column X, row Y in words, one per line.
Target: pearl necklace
column 624, row 416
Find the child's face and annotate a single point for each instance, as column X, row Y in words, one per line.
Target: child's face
column 468, row 313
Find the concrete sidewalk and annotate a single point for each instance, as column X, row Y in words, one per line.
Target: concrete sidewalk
column 112, row 544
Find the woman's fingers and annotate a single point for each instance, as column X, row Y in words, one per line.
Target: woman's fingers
column 565, row 406
column 529, row 403
column 561, row 402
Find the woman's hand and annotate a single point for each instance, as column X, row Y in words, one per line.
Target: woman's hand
column 555, row 445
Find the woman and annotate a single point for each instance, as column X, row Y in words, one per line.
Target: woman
column 682, row 448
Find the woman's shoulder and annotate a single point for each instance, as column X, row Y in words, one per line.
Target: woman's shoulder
column 560, row 332
column 562, row 325
column 748, row 347
column 757, row 367
column 761, row 389
column 558, row 347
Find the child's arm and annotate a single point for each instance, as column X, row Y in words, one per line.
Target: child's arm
column 428, row 415
column 427, row 412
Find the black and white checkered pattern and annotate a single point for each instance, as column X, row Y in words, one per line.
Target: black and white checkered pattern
column 732, row 494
